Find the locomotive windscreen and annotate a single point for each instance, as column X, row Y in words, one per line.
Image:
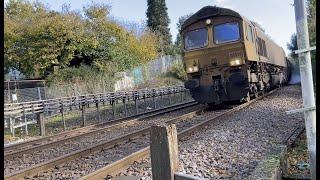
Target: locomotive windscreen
column 227, row 32
column 196, row 39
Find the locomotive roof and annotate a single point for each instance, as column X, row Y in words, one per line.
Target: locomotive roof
column 207, row 12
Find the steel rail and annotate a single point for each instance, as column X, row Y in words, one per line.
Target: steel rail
column 119, row 165
column 291, row 138
column 50, row 141
column 94, row 148
column 116, row 167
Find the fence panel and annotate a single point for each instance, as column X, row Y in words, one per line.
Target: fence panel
column 79, row 110
column 153, row 68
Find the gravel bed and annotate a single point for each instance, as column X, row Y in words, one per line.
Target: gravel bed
column 30, row 159
column 85, row 165
column 233, row 146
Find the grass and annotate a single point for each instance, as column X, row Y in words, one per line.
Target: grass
column 298, row 158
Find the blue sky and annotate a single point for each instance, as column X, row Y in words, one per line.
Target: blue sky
column 275, row 16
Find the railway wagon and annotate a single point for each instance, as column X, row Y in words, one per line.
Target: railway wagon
column 229, row 58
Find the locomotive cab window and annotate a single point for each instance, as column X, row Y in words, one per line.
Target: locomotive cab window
column 262, row 51
column 249, row 33
column 196, row 39
column 227, row 32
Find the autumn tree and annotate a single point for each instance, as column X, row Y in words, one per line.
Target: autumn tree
column 37, row 38
column 116, row 49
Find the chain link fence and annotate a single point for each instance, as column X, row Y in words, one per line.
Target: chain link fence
column 34, row 90
column 153, row 68
column 24, row 91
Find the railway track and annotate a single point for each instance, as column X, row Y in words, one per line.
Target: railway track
column 91, row 149
column 115, row 167
column 117, row 164
column 53, row 140
column 232, row 147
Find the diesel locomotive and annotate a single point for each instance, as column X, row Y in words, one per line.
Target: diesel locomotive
column 230, row 58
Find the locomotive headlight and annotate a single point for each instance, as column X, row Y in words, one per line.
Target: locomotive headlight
column 195, row 69
column 192, row 69
column 236, row 62
column 208, row 21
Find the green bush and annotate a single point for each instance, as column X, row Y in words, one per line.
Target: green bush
column 178, row 71
column 79, row 80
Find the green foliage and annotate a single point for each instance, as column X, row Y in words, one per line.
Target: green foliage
column 116, row 49
column 85, row 79
column 311, row 8
column 292, row 45
column 178, row 71
column 177, row 48
column 37, row 38
column 182, row 19
column 158, row 21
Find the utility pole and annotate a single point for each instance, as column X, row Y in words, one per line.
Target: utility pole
column 306, row 81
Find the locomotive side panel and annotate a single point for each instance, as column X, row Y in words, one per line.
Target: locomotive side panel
column 249, row 40
column 277, row 55
column 274, row 54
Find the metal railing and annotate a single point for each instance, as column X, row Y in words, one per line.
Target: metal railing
column 27, row 113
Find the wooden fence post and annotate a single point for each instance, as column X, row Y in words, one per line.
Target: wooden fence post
column 164, row 151
column 83, row 115
column 41, row 123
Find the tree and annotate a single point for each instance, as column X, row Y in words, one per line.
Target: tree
column 292, row 45
column 158, row 21
column 178, row 41
column 311, row 9
column 116, row 49
column 37, row 38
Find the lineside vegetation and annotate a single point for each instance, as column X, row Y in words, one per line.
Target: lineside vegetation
column 37, row 40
